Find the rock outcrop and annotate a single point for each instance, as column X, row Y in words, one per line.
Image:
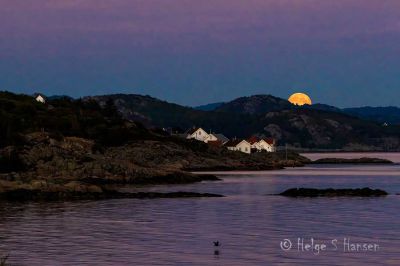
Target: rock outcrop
column 74, row 167
column 330, row 192
column 364, row 160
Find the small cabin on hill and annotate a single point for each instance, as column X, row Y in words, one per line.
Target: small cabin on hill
column 213, row 139
column 238, row 145
column 197, row 133
column 40, row 97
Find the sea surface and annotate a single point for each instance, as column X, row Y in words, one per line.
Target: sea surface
column 253, row 226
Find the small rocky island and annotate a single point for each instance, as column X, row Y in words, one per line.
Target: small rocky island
column 364, row 160
column 330, row 192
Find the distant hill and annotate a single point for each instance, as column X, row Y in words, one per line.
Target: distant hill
column 256, row 104
column 390, row 115
column 323, row 107
column 208, row 107
column 265, row 115
column 262, row 104
column 59, row 97
column 158, row 113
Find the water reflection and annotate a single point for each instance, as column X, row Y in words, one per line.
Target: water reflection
column 249, row 224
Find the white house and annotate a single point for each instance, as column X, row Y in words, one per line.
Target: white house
column 258, row 144
column 239, row 145
column 267, row 145
column 40, row 98
column 197, row 133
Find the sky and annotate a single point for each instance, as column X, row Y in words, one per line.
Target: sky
column 342, row 52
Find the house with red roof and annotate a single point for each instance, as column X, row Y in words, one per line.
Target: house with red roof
column 262, row 144
column 252, row 144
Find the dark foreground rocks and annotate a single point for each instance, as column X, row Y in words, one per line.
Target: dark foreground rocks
column 330, row 192
column 364, row 160
column 163, row 161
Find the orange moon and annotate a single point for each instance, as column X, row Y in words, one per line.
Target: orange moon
column 300, row 99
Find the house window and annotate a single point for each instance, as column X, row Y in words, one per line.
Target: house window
column 246, row 149
column 199, row 132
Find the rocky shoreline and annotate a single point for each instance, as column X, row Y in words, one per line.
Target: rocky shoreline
column 70, row 168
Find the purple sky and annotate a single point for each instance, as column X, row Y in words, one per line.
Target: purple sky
column 341, row 52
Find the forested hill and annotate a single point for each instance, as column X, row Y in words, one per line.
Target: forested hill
column 260, row 104
column 321, row 128
column 116, row 119
column 21, row 114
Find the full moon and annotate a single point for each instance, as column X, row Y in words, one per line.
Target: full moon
column 300, row 99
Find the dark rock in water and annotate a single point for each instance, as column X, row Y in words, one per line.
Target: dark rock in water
column 330, row 192
column 363, row 160
column 176, row 178
column 37, row 195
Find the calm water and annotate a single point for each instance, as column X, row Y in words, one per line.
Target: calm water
column 249, row 223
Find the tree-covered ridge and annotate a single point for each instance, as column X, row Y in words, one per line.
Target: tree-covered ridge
column 302, row 127
column 115, row 119
column 21, row 114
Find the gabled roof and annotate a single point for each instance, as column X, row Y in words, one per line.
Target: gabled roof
column 270, row 141
column 35, row 95
column 192, row 130
column 253, row 139
column 221, row 137
column 234, row 142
